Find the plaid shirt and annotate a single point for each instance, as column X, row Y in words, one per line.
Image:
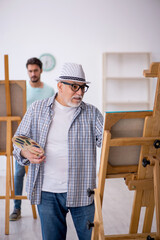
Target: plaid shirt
column 85, row 133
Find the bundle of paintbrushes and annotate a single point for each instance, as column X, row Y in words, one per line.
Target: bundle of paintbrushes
column 27, row 143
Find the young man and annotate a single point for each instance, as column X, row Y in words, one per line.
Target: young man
column 36, row 90
column 69, row 131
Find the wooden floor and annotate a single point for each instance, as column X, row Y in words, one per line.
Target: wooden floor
column 117, row 207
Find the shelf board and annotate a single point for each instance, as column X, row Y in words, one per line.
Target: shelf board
column 125, row 103
column 127, row 53
column 126, row 78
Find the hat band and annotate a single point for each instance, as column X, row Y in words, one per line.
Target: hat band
column 72, row 78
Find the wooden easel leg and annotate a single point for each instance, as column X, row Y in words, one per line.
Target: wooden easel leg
column 136, row 212
column 34, row 211
column 7, row 197
column 12, row 178
column 33, row 206
column 156, row 176
column 103, row 163
column 98, row 230
column 149, row 214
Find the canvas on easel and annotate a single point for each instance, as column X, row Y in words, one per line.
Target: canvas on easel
column 18, row 106
column 12, row 109
column 131, row 149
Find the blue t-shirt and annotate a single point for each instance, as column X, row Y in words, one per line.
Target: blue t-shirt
column 34, row 94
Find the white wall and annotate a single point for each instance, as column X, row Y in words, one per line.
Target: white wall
column 76, row 31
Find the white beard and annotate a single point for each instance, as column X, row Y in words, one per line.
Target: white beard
column 71, row 104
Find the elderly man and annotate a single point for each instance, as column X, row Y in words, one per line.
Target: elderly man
column 69, row 131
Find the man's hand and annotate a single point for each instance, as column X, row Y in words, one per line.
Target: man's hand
column 36, row 157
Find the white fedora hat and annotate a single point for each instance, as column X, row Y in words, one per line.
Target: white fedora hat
column 72, row 72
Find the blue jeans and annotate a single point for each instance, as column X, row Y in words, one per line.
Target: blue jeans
column 18, row 183
column 53, row 211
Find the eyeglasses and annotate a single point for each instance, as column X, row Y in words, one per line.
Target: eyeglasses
column 75, row 87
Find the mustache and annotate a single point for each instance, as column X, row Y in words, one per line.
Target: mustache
column 77, row 97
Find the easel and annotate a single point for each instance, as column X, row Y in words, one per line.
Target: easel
column 9, row 120
column 143, row 177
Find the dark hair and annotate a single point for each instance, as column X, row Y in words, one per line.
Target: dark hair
column 34, row 61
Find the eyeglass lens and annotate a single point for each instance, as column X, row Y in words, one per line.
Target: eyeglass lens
column 76, row 87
